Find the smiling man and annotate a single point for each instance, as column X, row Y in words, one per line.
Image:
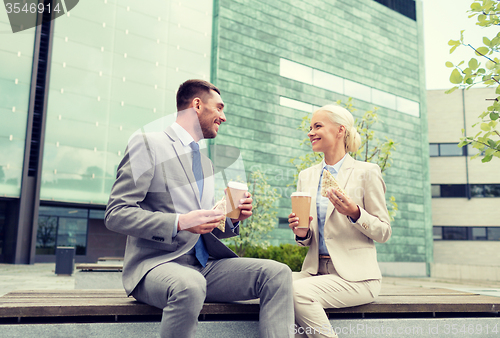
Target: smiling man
column 162, row 201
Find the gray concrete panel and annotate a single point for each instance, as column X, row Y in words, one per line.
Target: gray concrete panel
column 346, row 328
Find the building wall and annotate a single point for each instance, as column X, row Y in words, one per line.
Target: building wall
column 364, row 44
column 464, row 212
column 446, row 120
column 104, row 243
column 467, row 253
column 116, row 70
column 448, row 115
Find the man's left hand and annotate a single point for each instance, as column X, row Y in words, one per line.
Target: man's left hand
column 246, row 208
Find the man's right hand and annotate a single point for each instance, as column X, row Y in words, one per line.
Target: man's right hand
column 200, row 221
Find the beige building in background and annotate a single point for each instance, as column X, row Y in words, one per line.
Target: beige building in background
column 465, row 192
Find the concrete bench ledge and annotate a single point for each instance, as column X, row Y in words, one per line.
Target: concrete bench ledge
column 107, row 259
column 99, row 267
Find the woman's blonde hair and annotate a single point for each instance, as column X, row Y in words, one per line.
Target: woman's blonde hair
column 343, row 117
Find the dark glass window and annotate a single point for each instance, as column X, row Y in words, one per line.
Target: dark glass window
column 446, row 149
column 453, row 190
column 405, row 7
column 494, row 234
column 73, row 232
column 437, row 233
column 478, row 234
column 455, row 233
column 434, row 149
column 450, row 149
column 3, row 211
column 485, row 190
column 477, row 190
column 46, row 235
column 283, row 223
column 62, row 226
column 471, row 151
column 436, row 190
column 492, row 190
column 96, row 214
column 466, row 233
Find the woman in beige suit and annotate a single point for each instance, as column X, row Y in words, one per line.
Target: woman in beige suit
column 340, row 268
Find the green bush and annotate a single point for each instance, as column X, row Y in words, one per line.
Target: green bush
column 289, row 254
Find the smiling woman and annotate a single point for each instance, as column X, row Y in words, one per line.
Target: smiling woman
column 340, row 268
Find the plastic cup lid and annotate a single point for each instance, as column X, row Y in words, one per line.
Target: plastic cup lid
column 301, row 194
column 237, row 185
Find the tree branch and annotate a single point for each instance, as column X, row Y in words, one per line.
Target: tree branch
column 480, row 53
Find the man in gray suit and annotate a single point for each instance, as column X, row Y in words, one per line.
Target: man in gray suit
column 162, row 200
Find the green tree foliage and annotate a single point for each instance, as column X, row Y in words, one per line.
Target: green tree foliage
column 484, row 69
column 372, row 149
column 254, row 230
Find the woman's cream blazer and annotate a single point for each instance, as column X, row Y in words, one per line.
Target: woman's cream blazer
column 350, row 244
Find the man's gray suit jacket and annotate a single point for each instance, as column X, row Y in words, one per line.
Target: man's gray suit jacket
column 154, row 182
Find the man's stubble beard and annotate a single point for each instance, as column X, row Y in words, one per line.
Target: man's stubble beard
column 207, row 128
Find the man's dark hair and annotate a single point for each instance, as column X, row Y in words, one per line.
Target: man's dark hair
column 191, row 89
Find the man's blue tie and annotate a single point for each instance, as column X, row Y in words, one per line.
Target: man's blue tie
column 199, row 248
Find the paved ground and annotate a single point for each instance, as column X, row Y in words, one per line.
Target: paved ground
column 31, row 277
column 42, row 276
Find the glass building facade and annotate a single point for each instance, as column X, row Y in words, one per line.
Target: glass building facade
column 16, row 63
column 114, row 70
column 116, row 66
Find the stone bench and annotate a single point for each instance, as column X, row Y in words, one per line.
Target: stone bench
column 110, row 259
column 103, row 275
column 103, row 313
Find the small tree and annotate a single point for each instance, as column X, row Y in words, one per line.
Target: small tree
column 254, row 230
column 485, row 71
column 372, row 149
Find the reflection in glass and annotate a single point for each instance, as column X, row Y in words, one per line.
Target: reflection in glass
column 478, row 234
column 61, row 226
column 73, row 232
column 494, row 234
column 477, row 190
column 437, row 233
column 46, row 235
column 455, row 233
column 433, row 149
column 436, row 190
column 485, row 190
column 450, row 149
column 110, row 76
column 283, row 223
column 3, row 216
column 453, row 190
column 492, row 190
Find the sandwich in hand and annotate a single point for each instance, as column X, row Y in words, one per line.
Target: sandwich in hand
column 330, row 182
column 221, row 205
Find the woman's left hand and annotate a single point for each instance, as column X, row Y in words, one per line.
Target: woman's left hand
column 343, row 204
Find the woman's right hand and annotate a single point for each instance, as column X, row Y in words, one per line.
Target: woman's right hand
column 293, row 222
